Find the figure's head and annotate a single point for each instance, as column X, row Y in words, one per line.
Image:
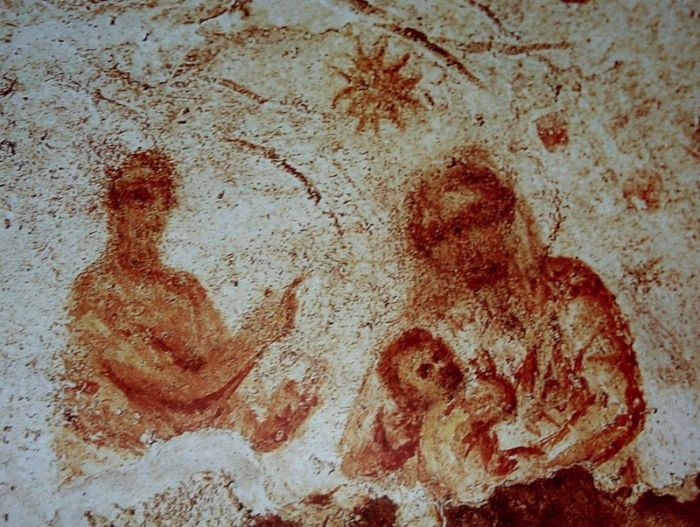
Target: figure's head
column 419, row 369
column 460, row 219
column 141, row 192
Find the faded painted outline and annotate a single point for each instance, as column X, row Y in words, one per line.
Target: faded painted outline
column 273, row 156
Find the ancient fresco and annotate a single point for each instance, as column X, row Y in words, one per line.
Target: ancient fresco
column 551, row 367
column 151, row 357
column 376, row 90
column 350, row 263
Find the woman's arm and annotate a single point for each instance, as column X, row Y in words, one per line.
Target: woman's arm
column 613, row 414
column 608, row 408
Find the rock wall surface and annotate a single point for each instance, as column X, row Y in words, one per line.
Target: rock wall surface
column 348, row 262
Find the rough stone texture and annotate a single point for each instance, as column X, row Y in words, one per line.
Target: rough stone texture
column 296, row 133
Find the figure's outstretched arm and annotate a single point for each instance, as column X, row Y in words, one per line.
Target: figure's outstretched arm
column 151, row 371
column 271, row 321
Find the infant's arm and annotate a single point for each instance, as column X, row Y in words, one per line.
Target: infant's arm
column 384, row 446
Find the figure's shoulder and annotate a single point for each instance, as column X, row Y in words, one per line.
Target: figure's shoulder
column 570, row 279
column 90, row 289
column 580, row 292
column 90, row 281
column 185, row 283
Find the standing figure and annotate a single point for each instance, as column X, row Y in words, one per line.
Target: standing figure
column 514, row 364
column 150, row 357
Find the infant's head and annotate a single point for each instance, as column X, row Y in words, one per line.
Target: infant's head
column 419, row 369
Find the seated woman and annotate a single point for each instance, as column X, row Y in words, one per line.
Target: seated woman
column 150, row 355
column 546, row 375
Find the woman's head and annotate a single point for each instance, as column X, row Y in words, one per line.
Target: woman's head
column 459, row 221
column 419, row 369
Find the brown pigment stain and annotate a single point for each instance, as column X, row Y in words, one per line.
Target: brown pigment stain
column 276, row 158
column 695, row 138
column 418, row 37
column 642, row 192
column 324, row 510
column 273, row 520
column 553, row 131
column 150, row 356
column 570, row 499
column 629, row 474
column 247, row 92
column 321, row 499
column 377, row 91
column 481, row 46
column 376, row 512
column 310, row 189
column 448, row 57
column 365, row 7
column 493, row 17
column 551, row 369
column 241, row 6
column 9, row 88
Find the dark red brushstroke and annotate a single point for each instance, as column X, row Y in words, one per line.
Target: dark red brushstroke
column 570, row 499
column 375, row 512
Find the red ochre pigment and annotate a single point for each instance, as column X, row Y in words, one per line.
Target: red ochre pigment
column 565, row 377
column 150, row 354
column 553, row 131
column 570, row 499
column 377, row 90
